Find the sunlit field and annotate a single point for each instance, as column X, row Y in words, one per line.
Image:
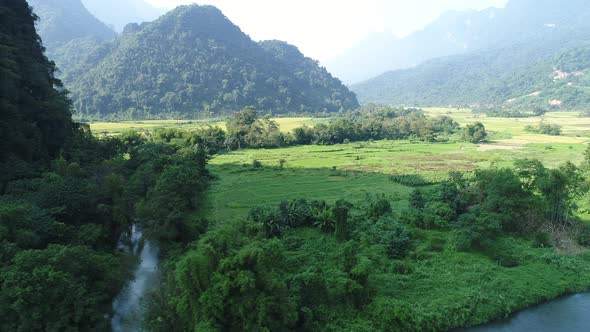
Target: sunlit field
column 116, row 128
column 352, row 170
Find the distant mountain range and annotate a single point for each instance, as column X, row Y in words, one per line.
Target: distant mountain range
column 118, row 13
column 190, row 62
column 552, row 72
column 459, row 33
column 62, row 21
column 537, row 57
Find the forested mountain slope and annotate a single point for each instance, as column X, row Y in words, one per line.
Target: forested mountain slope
column 460, row 33
column 62, row 21
column 549, row 72
column 35, row 113
column 194, row 62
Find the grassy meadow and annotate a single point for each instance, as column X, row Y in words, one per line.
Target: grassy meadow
column 352, row 170
column 116, row 128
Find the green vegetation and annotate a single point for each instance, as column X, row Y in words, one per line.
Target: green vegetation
column 377, row 264
column 66, row 198
column 322, row 238
column 545, row 129
column 529, row 75
column 387, row 219
column 193, row 62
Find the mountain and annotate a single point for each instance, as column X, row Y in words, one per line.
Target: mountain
column 62, row 21
column 460, row 33
column 119, row 13
column 549, row 72
column 35, row 116
column 194, row 62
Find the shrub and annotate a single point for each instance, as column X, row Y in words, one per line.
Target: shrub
column 394, row 236
column 378, row 208
column 409, row 180
column 256, row 164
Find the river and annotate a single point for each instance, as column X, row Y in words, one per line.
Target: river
column 126, row 307
column 566, row 314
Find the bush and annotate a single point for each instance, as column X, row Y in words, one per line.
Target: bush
column 542, row 240
column 378, row 208
column 416, row 200
column 394, row 236
column 437, row 244
column 256, row 164
column 409, row 180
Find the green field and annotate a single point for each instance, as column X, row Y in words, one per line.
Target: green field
column 352, row 170
column 116, row 128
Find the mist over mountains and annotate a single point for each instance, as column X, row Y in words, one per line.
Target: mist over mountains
column 459, row 33
column 118, row 13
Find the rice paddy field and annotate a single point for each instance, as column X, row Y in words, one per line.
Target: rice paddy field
column 351, row 171
column 116, row 128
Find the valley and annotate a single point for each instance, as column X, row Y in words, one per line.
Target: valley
column 171, row 166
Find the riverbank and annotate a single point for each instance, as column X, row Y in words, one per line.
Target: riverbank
column 568, row 313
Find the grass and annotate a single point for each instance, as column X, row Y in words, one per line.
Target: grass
column 117, row 128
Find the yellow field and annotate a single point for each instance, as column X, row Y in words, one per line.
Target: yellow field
column 116, row 128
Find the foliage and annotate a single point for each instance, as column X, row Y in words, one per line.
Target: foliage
column 544, row 72
column 193, row 62
column 35, row 118
column 545, row 129
column 475, row 133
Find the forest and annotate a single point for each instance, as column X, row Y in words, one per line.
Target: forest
column 191, row 63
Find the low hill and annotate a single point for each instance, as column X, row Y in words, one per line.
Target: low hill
column 35, row 114
column 193, row 62
column 552, row 72
column 460, row 32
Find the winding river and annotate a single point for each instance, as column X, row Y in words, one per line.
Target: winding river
column 566, row 314
column 126, row 307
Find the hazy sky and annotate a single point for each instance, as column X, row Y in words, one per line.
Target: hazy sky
column 324, row 28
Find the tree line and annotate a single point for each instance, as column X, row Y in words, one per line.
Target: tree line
column 247, row 129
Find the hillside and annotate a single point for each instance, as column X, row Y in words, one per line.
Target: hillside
column 35, row 116
column 118, row 13
column 460, row 33
column 194, row 62
column 62, row 21
column 549, row 73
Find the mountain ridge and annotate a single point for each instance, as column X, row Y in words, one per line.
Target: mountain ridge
column 460, row 32
column 194, row 61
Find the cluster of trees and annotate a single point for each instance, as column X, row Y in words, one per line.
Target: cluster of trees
column 59, row 230
column 251, row 275
column 497, row 112
column 247, row 129
column 193, row 62
column 545, row 129
column 66, row 197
